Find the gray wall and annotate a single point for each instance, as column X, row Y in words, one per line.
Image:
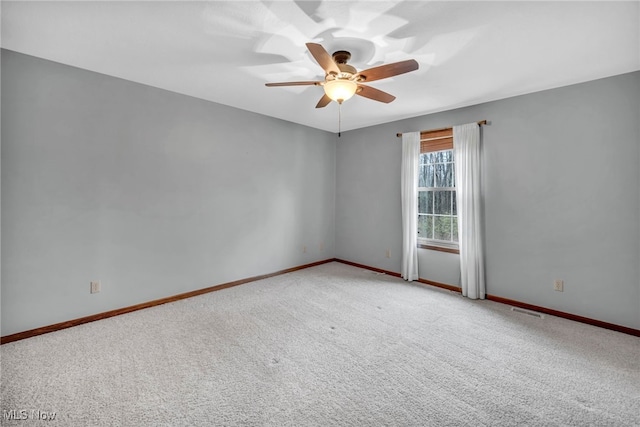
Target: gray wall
column 156, row 193
column 561, row 191
column 151, row 192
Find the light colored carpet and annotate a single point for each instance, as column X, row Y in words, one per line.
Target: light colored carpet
column 329, row 345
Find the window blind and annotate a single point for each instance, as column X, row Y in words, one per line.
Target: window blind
column 436, row 140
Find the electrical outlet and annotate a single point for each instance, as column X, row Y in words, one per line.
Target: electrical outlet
column 388, row 253
column 304, row 249
column 558, row 285
column 95, row 287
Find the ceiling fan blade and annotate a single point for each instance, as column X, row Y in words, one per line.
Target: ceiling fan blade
column 324, row 101
column 375, row 94
column 307, row 83
column 388, row 70
column 323, row 58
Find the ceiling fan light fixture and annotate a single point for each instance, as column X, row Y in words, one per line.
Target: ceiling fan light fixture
column 340, row 90
column 342, row 81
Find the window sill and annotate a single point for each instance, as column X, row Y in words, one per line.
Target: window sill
column 439, row 248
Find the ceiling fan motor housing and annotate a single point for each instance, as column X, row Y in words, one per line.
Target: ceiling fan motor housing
column 340, row 58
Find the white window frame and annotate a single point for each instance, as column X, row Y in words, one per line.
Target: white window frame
column 427, row 243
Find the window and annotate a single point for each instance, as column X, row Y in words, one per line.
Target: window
column 437, row 213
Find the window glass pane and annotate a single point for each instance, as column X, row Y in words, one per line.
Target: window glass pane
column 443, row 168
column 424, row 202
column 439, row 174
column 442, row 228
column 430, row 202
column 454, row 229
column 453, row 174
column 454, row 210
column 430, row 176
column 425, row 226
column 448, row 156
column 444, row 175
column 442, row 202
column 425, row 176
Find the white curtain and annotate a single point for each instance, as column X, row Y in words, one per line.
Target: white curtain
column 466, row 147
column 409, row 195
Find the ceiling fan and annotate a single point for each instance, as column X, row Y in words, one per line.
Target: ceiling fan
column 342, row 81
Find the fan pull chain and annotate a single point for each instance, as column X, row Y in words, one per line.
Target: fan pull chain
column 339, row 118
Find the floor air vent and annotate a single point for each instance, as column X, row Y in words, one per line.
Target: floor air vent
column 530, row 313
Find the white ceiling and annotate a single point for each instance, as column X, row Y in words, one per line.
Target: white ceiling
column 224, row 51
